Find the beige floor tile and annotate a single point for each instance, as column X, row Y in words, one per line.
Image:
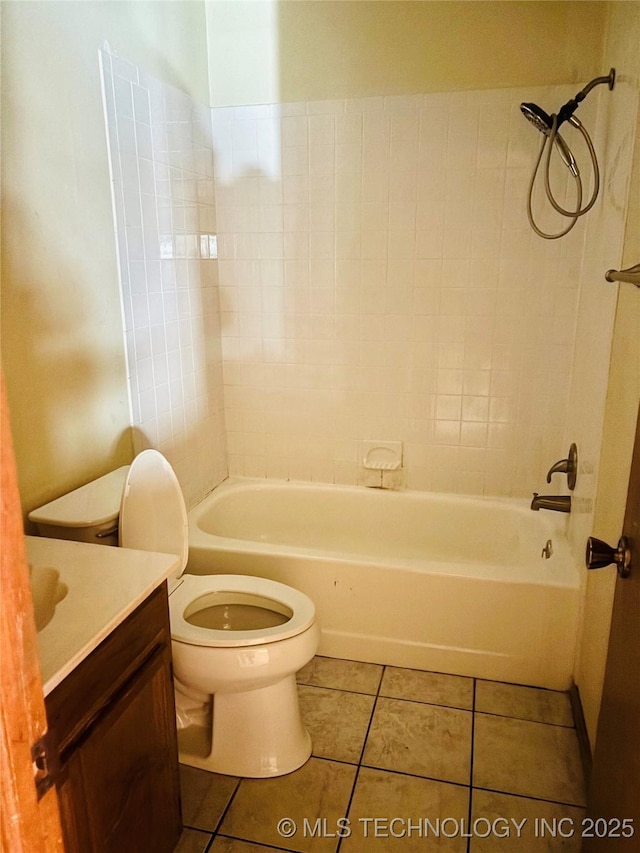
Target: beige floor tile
column 433, row 687
column 233, row 845
column 204, row 797
column 525, row 703
column 517, row 825
column 319, row 789
column 401, row 804
column 341, row 674
column 425, row 740
column 192, row 841
column 337, row 721
column 531, row 759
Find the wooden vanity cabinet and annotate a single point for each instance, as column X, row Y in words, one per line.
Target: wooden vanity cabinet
column 112, row 723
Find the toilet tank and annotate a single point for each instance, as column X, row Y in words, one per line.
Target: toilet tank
column 88, row 514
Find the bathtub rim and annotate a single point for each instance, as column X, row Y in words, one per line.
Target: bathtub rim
column 202, row 540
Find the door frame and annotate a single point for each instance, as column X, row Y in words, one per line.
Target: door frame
column 30, row 823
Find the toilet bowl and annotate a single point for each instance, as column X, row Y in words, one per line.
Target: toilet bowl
column 237, row 641
column 250, row 672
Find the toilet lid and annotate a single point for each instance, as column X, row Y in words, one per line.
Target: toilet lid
column 153, row 515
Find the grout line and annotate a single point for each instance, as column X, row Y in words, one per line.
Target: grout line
column 338, row 689
column 351, row 796
column 473, row 733
column 526, row 720
column 377, row 694
column 422, row 702
column 264, row 844
column 364, row 746
column 531, row 797
column 197, row 828
column 227, row 807
column 416, row 776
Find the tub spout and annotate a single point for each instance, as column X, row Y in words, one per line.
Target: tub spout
column 557, row 503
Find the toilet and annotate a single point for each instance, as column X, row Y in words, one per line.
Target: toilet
column 237, row 641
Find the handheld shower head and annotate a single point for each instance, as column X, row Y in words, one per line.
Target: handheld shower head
column 544, row 123
column 537, row 116
column 548, row 125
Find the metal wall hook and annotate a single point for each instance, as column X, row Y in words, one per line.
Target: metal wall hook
column 568, row 466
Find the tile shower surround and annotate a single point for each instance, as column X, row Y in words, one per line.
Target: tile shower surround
column 161, row 161
column 402, row 743
column 376, row 278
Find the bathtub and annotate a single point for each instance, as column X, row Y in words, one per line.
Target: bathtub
column 411, row 579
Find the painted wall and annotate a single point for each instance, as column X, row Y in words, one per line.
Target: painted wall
column 608, row 432
column 265, row 52
column 62, row 351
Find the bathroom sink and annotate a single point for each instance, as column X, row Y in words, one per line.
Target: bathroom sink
column 47, row 591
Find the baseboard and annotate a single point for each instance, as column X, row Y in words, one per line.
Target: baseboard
column 581, row 731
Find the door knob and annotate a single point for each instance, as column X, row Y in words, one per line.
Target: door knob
column 599, row 554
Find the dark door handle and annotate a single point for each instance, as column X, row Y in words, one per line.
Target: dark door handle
column 599, row 554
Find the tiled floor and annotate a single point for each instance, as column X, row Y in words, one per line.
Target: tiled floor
column 404, row 760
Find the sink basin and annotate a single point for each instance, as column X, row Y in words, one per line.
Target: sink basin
column 47, row 591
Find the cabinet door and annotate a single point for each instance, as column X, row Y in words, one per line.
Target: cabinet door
column 130, row 768
column 73, row 815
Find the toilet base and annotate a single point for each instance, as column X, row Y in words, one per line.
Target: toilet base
column 255, row 733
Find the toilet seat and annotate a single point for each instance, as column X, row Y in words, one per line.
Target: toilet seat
column 195, row 586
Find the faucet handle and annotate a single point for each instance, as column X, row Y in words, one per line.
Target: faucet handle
column 568, row 466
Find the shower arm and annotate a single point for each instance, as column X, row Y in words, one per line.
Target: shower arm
column 571, row 106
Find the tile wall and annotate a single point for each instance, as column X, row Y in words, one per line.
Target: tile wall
column 300, row 278
column 379, row 280
column 162, row 170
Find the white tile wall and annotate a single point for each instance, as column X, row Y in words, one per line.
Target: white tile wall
column 162, row 170
column 379, row 280
column 376, row 279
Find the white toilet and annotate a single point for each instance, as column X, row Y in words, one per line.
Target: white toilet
column 239, row 639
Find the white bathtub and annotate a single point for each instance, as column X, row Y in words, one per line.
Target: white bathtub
column 436, row 582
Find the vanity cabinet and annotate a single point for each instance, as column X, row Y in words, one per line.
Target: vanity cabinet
column 112, row 724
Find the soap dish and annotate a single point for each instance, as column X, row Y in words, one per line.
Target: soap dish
column 382, row 455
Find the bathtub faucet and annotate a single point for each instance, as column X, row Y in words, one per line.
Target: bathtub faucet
column 557, row 503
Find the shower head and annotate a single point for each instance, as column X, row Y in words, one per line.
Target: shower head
column 544, row 123
column 548, row 125
column 537, row 116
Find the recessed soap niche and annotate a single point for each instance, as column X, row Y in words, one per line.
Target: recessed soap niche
column 382, row 464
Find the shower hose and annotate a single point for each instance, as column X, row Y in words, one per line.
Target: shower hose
column 573, row 215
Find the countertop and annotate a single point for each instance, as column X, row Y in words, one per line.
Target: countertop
column 105, row 584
